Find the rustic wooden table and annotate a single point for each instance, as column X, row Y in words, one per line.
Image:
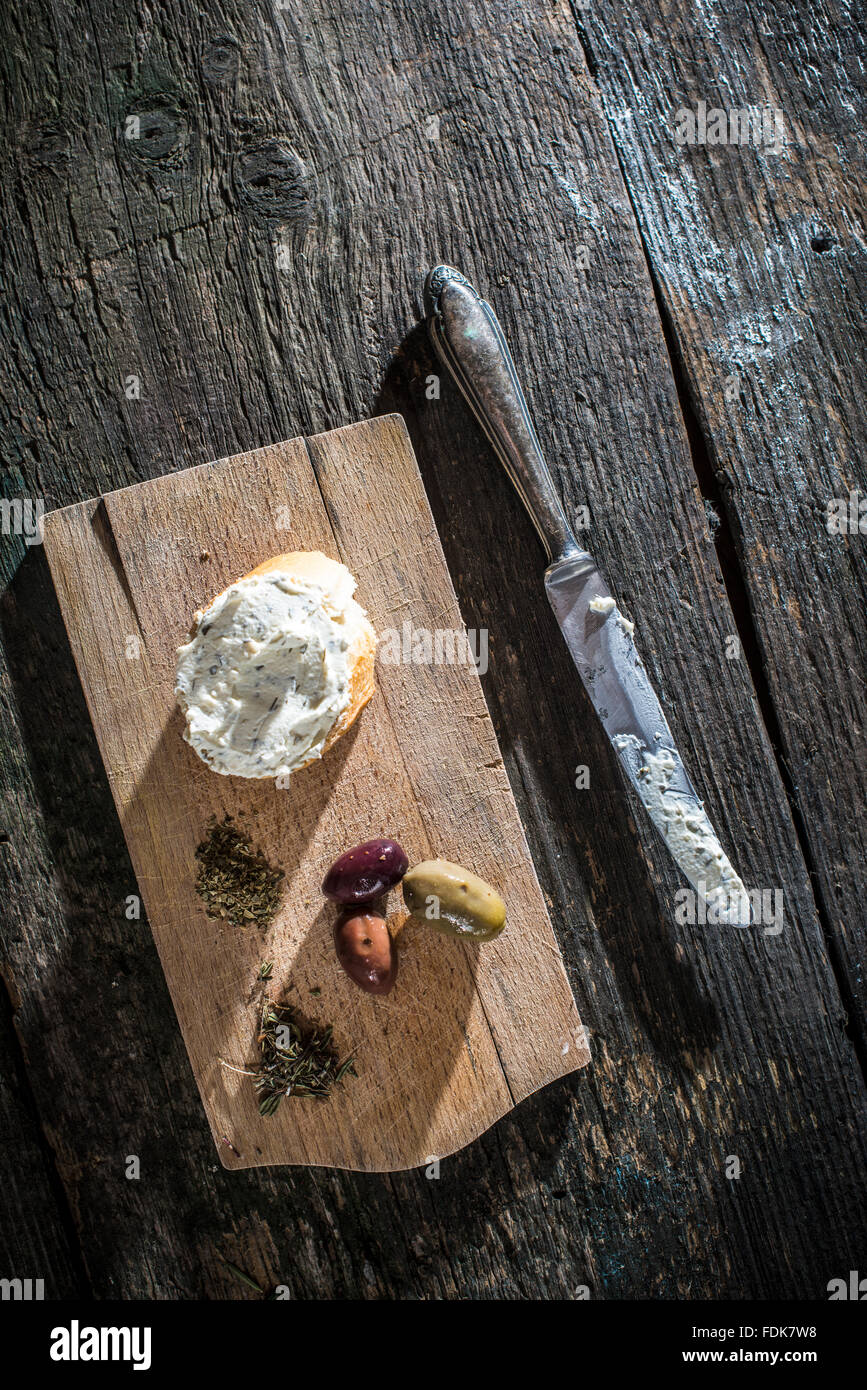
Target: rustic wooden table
column 216, row 225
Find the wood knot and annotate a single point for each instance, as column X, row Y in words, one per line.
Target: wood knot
column 221, row 60
column 823, row 242
column 272, row 180
column 155, row 130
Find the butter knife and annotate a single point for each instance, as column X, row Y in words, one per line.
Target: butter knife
column 469, row 341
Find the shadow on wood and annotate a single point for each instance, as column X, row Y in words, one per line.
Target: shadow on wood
column 593, row 838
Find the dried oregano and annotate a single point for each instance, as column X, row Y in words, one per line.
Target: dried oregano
column 234, row 882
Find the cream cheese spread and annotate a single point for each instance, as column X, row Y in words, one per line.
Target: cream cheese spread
column 687, row 829
column 267, row 672
column 606, row 605
column 602, row 605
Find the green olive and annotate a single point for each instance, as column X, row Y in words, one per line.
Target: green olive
column 453, row 900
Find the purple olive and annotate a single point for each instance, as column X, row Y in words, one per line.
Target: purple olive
column 365, row 872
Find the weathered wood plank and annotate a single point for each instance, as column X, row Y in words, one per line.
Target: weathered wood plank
column 255, row 263
column 758, row 251
column 37, row 1239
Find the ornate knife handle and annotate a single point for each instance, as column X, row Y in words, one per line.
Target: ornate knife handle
column 469, row 341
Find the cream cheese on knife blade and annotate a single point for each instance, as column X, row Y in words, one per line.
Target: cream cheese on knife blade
column 688, row 830
column 612, row 670
column 684, row 825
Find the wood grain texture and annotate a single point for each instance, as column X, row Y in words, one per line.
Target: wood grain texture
column 311, row 129
column 37, row 1236
column 467, row 1032
column 758, row 251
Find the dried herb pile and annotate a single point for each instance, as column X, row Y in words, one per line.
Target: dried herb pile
column 234, row 882
column 297, row 1059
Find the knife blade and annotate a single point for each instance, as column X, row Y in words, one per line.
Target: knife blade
column 469, row 341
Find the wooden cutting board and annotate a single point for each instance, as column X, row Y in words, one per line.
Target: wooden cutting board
column 468, row 1031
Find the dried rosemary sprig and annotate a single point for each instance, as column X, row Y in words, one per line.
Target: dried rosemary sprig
column 239, row 1274
column 234, row 881
column 298, row 1059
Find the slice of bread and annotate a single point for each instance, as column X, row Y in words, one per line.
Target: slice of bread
column 329, row 574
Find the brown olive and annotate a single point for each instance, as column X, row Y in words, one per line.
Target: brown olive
column 366, row 951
